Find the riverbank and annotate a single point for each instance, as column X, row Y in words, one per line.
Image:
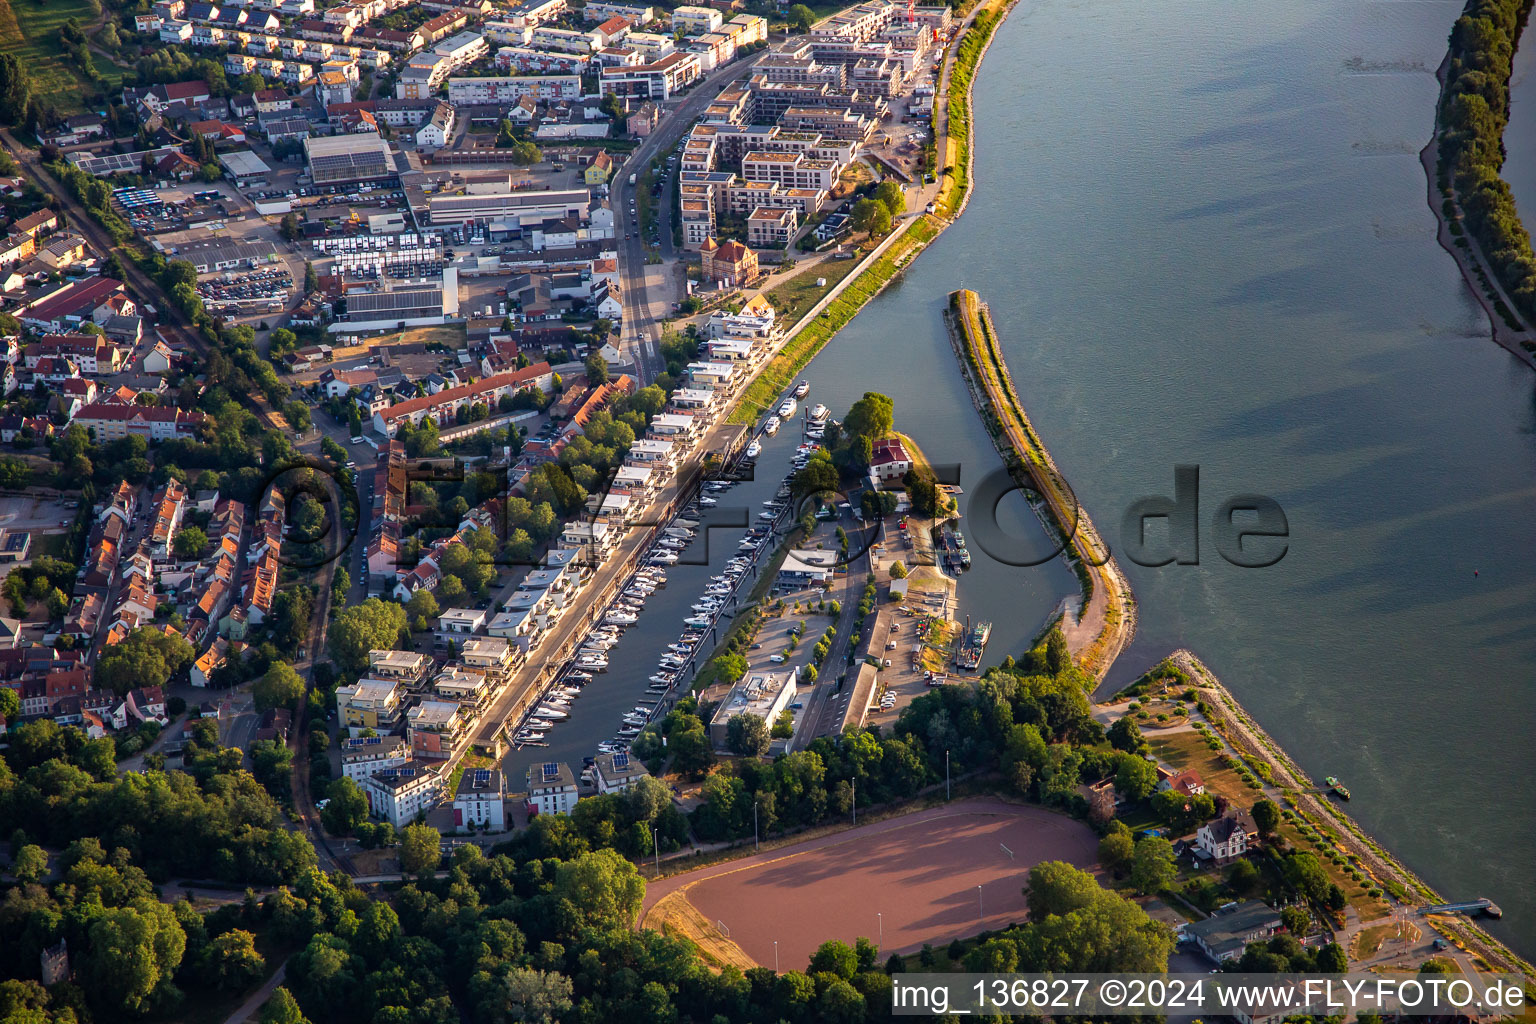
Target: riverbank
column 1509, row 331
column 823, row 321
column 1327, row 820
column 1106, row 618
column 1480, row 131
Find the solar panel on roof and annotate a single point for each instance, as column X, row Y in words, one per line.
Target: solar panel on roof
column 551, row 770
column 621, row 760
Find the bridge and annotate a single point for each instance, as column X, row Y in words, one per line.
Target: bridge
column 1482, row 905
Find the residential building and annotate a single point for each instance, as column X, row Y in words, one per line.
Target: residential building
column 443, row 407
column 888, row 461
column 401, row 794
column 616, row 772
column 771, row 227
column 481, row 800
column 807, row 567
column 1226, row 838
column 369, row 704
column 510, row 89
column 434, row 727
column 551, row 788
column 731, row 262
column 361, row 756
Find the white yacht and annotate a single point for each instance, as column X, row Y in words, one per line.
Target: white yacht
column 619, row 618
column 772, row 426
column 802, row 389
column 787, row 409
column 820, row 413
column 754, row 449
column 663, row 558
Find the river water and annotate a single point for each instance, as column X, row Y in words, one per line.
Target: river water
column 1202, row 230
column 1203, row 233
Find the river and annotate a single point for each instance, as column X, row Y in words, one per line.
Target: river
column 1203, row 234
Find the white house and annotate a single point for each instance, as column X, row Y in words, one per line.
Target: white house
column 399, row 794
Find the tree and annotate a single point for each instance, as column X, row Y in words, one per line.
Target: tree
column 1243, row 878
column 282, row 1008
column 146, row 657
column 133, row 954
column 422, row 605
column 800, row 18
column 835, row 958
column 898, row 571
column 1135, row 777
column 232, row 961
column 346, row 807
column 597, row 370
column 372, row 625
column 872, row 416
column 891, row 197
column 1125, row 735
column 747, row 735
column 604, row 888
column 311, row 279
column 1056, row 887
column 1295, row 919
column 536, row 997
column 289, row 228
column 280, row 687
column 30, row 863
column 1115, row 851
column 420, row 849
column 1153, row 867
column 1266, row 817
column 10, row 705
column 871, row 216
column 189, row 543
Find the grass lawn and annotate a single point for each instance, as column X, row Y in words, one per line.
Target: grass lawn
column 792, row 299
column 30, row 30
column 452, row 335
column 50, row 545
column 1187, row 750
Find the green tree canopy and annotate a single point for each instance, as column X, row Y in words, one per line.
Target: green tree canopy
column 280, row 687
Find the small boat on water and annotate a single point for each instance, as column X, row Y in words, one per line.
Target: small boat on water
column 687, row 524
column 1339, row 789
column 820, row 413
column 696, row 620
column 579, row 677
column 754, row 449
column 788, row 408
column 973, row 644
column 664, row 558
column 772, row 426
column 705, row 501
column 618, row 618
column 802, row 389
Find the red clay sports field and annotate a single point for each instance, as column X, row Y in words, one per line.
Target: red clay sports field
column 918, row 873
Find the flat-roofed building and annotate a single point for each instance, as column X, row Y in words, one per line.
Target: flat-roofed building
column 358, row 157
column 759, row 694
column 771, row 227
column 369, row 704
column 434, row 726
column 508, row 90
column 497, row 201
column 696, row 20
column 361, row 756
column 491, row 656
column 408, row 667
column 458, row 623
column 409, row 306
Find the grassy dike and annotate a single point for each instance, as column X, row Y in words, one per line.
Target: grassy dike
column 955, row 146
column 955, row 155
column 1107, row 618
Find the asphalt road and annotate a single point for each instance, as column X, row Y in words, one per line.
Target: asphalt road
column 647, row 295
